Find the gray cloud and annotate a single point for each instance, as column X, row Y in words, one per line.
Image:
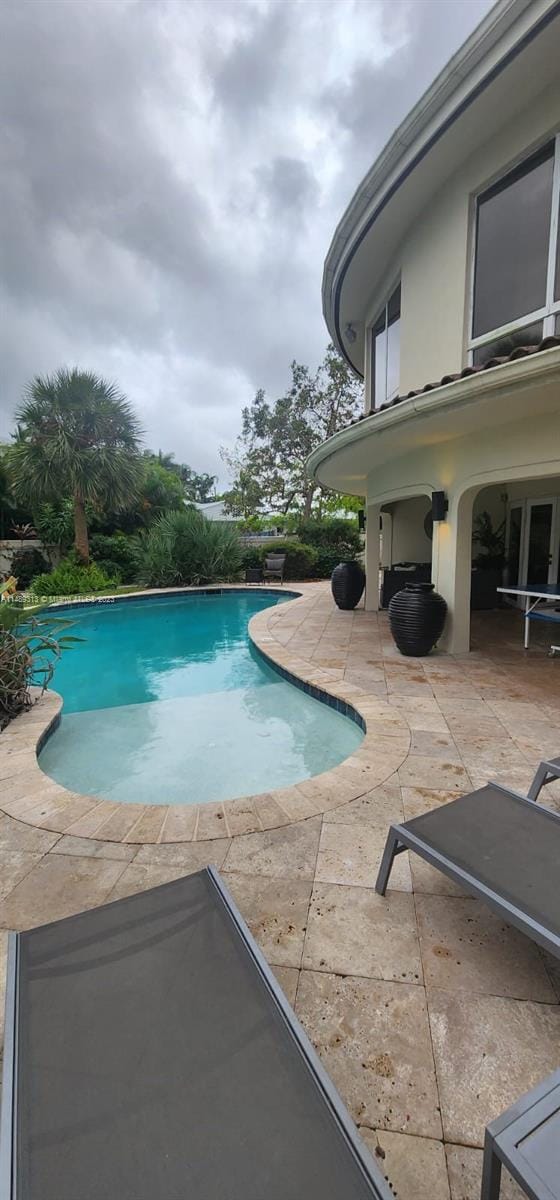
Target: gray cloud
column 172, row 172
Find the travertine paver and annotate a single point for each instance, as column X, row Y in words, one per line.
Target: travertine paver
column 288, row 978
column 276, row 913
column 488, row 1051
column 191, row 856
column 353, row 931
column 467, row 948
column 352, row 853
column 464, row 1167
column 289, row 853
column 414, row 1166
column 58, row 886
column 484, row 714
column 14, row 866
column 375, row 1041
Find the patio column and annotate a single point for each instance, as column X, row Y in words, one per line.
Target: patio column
column 373, row 514
column 451, row 570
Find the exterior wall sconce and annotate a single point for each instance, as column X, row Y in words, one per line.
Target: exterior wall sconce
column 350, row 333
column 440, row 506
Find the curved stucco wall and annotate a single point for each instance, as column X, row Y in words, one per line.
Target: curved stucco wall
column 434, row 262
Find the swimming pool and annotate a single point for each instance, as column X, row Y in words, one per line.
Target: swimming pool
column 166, row 701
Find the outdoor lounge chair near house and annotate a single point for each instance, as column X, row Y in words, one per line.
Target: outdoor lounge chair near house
column 150, row 1054
column 274, row 565
column 499, row 846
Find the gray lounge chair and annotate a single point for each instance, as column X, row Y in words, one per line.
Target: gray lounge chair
column 546, row 773
column 499, row 846
column 526, row 1139
column 274, row 565
column 151, row 1055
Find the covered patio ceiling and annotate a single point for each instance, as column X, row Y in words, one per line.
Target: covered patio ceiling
column 468, row 406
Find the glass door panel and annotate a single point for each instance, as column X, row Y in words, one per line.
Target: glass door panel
column 513, row 551
column 540, row 526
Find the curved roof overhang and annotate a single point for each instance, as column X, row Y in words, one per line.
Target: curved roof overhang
column 511, row 56
column 487, row 400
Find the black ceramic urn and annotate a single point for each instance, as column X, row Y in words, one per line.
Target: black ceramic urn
column 347, row 583
column 417, row 616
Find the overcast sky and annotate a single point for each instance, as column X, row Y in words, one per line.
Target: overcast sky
column 172, row 173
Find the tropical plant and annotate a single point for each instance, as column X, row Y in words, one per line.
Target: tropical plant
column 160, row 490
column 26, row 564
column 77, row 436
column 491, row 541
column 29, row 649
column 301, row 560
column 185, row 548
column 54, row 522
column 335, row 540
column 11, row 513
column 24, row 530
column 118, row 550
column 72, row 577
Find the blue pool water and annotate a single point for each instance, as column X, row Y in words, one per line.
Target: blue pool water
column 166, row 701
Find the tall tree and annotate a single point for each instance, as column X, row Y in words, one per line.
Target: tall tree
column 197, row 487
column 77, row 436
column 268, row 460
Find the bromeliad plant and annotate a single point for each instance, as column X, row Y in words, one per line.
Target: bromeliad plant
column 30, row 646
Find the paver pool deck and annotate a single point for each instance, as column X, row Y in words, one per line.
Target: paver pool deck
column 431, row 1014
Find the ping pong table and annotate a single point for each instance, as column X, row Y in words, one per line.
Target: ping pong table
column 535, row 595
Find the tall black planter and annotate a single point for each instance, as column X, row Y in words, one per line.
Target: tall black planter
column 347, row 584
column 417, row 616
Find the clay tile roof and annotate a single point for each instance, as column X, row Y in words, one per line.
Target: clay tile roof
column 547, row 343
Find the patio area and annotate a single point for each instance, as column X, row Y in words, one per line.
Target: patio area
column 430, row 1013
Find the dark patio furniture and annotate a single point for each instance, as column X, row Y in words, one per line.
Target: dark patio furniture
column 274, row 565
column 395, row 578
column 526, row 1140
column 546, row 773
column 500, row 847
column 254, row 575
column 150, row 1055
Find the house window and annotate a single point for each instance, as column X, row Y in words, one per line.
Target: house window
column 385, row 351
column 516, row 285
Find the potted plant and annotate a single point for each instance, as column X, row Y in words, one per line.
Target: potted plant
column 489, row 563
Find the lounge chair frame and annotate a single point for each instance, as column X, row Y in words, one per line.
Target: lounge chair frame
column 379, row 1189
column 546, row 773
column 401, row 838
column 507, row 1142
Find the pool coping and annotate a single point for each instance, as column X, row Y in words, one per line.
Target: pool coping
column 30, row 796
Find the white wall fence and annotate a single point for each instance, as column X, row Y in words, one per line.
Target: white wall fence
column 12, row 546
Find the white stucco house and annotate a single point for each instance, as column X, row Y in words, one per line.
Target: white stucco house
column 442, row 289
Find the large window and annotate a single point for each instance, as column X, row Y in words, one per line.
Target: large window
column 386, row 351
column 516, row 289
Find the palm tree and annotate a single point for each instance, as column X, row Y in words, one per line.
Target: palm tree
column 77, row 436
column 6, row 494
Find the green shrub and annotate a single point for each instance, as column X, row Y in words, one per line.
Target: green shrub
column 119, row 551
column 334, row 539
column 300, row 559
column 110, row 569
column 26, row 564
column 72, row 578
column 185, row 548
